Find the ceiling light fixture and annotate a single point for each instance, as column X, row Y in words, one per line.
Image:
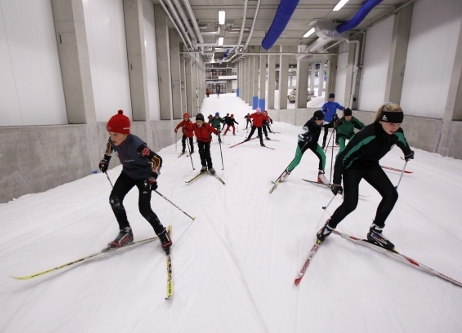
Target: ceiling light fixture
column 340, row 4
column 309, row 32
column 220, row 41
column 221, row 17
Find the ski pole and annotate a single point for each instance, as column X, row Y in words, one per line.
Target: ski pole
column 109, row 179
column 176, row 140
column 192, row 218
column 329, row 202
column 331, row 159
column 190, row 155
column 328, row 142
column 402, row 173
column 221, row 153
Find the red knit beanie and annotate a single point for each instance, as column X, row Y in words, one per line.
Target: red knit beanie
column 119, row 123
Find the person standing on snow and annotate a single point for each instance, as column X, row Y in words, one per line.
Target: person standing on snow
column 257, row 123
column 203, row 132
column 216, row 122
column 330, row 116
column 308, row 139
column 265, row 123
column 186, row 127
column 141, row 167
column 360, row 160
column 248, row 121
column 346, row 128
column 230, row 121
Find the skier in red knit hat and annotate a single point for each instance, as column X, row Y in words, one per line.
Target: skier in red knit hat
column 141, row 167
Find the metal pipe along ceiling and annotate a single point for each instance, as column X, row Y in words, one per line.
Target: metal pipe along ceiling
column 178, row 21
column 243, row 24
column 359, row 16
column 193, row 20
column 253, row 25
column 283, row 14
column 185, row 20
column 174, row 24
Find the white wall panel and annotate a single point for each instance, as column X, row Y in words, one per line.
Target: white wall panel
column 375, row 66
column 30, row 81
column 151, row 59
column 105, row 28
column 430, row 57
column 340, row 82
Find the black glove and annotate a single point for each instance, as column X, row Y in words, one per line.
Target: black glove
column 151, row 182
column 409, row 156
column 104, row 163
column 307, row 138
column 336, row 189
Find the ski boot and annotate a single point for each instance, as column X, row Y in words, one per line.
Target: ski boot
column 165, row 240
column 324, row 232
column 321, row 178
column 375, row 237
column 284, row 175
column 124, row 237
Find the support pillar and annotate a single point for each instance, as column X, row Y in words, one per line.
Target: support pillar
column 283, row 77
column 302, row 84
column 163, row 63
column 262, row 82
column 175, row 74
column 271, row 80
column 74, row 60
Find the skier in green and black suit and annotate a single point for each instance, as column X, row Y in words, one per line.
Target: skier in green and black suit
column 360, row 160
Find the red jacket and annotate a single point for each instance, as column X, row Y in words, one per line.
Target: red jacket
column 187, row 128
column 257, row 119
column 203, row 133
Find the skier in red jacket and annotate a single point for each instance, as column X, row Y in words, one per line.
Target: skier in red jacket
column 186, row 127
column 257, row 118
column 203, row 132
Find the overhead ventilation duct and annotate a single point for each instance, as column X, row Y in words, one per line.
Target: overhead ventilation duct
column 283, row 14
column 359, row 16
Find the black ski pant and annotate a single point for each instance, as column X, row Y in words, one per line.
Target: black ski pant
column 259, row 134
column 326, row 131
column 377, row 178
column 122, row 186
column 183, row 142
column 204, row 152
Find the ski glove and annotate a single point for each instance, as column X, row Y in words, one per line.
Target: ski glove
column 336, row 189
column 410, row 156
column 151, row 182
column 104, row 163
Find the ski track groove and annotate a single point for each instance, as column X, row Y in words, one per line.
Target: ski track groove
column 235, row 262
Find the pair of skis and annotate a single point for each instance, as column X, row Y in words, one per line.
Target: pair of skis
column 240, row 143
column 392, row 253
column 205, row 173
column 109, row 251
column 315, row 182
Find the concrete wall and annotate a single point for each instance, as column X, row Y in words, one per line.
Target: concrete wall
column 37, row 158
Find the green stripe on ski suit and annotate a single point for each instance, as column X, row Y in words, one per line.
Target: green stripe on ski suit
column 401, row 138
column 355, row 149
column 299, row 154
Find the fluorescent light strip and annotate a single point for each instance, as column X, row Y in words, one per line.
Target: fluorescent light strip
column 309, row 32
column 220, row 41
column 221, row 17
column 340, row 5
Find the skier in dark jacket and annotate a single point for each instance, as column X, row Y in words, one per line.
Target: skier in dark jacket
column 360, row 160
column 308, row 139
column 248, row 120
column 141, row 167
column 230, row 121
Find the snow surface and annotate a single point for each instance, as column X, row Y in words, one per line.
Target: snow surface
column 234, row 266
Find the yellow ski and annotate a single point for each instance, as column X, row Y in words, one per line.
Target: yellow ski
column 169, row 268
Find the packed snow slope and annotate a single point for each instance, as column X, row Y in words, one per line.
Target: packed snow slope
column 234, row 266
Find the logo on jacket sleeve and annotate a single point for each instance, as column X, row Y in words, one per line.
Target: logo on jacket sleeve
column 146, row 152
